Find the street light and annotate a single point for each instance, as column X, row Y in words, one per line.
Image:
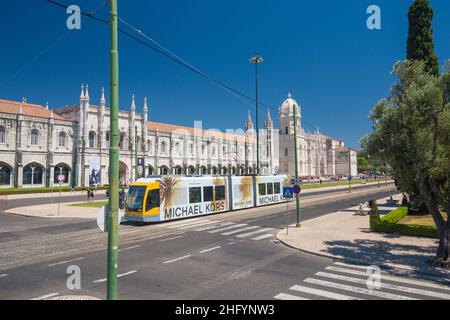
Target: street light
column 256, row 59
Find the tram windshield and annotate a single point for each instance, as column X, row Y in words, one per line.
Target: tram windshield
column 135, row 199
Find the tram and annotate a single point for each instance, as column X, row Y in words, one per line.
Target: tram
column 177, row 197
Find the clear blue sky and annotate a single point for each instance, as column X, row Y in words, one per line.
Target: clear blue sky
column 321, row 51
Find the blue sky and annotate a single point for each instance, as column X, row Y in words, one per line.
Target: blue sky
column 321, row 51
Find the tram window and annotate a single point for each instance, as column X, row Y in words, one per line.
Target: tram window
column 195, row 195
column 135, row 198
column 220, row 193
column 270, row 188
column 262, row 189
column 208, row 194
column 277, row 187
column 152, row 200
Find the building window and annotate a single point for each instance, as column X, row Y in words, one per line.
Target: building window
column 178, row 170
column 287, row 130
column 150, row 170
column 163, row 147
column 122, row 141
column 107, row 138
column 92, row 139
column 62, row 139
column 286, row 152
column 164, row 171
column 2, row 134
column 61, row 169
column 34, row 137
column 5, row 175
column 33, row 174
column 149, row 146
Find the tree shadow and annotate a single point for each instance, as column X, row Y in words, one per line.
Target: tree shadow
column 383, row 253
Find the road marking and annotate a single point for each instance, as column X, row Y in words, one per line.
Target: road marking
column 345, row 287
column 173, row 260
column 322, row 293
column 64, row 262
column 239, row 230
column 46, row 296
column 169, row 239
column 285, row 296
column 129, row 248
column 224, row 224
column 4, row 275
column 211, row 249
column 197, row 225
column 392, row 278
column 118, row 276
column 244, row 235
column 387, row 286
column 85, row 239
column 185, row 223
column 264, row 236
column 228, row 228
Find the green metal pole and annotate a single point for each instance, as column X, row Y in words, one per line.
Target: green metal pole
column 297, row 200
column 349, row 170
column 113, row 161
column 135, row 154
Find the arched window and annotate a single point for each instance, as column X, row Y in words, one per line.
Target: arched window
column 178, row 170
column 213, row 170
column 61, row 169
column 191, row 170
column 138, row 144
column 34, row 137
column 150, row 146
column 91, row 139
column 214, row 151
column 151, row 171
column 33, row 174
column 2, row 134
column 122, row 141
column 163, row 171
column 163, row 147
column 287, row 130
column 203, row 170
column 225, row 170
column 191, row 149
column 5, row 174
column 62, row 139
column 107, row 138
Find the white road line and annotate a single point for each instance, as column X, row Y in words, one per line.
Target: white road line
column 392, row 278
column 264, row 236
column 228, row 228
column 285, row 296
column 387, row 286
column 173, row 260
column 245, row 235
column 130, row 248
column 211, row 249
column 65, row 262
column 239, row 230
column 118, row 276
column 169, row 239
column 197, row 225
column 46, row 296
column 224, row 224
column 184, row 223
column 322, row 293
column 374, row 293
column 4, row 275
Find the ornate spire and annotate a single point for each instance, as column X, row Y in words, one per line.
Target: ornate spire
column 133, row 104
column 103, row 100
column 269, row 122
column 145, row 104
column 249, row 124
column 289, row 95
column 46, row 105
column 82, row 92
column 86, row 95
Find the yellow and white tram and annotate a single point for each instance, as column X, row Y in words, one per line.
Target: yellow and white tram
column 177, row 197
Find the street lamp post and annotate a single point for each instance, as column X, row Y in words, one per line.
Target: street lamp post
column 256, row 59
column 136, row 173
column 113, row 240
column 349, row 170
column 297, row 200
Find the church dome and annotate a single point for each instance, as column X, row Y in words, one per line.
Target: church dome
column 286, row 109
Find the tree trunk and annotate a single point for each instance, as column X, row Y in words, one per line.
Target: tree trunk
column 442, row 256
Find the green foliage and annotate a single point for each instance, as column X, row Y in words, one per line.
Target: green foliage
column 46, row 190
column 420, row 44
column 396, row 215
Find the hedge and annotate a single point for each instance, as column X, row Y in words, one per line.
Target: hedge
column 46, row 190
column 389, row 224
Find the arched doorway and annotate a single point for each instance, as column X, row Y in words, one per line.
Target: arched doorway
column 123, row 173
column 5, row 175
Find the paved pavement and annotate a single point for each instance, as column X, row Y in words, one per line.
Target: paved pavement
column 345, row 236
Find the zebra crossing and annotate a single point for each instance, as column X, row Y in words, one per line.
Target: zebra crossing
column 228, row 228
column 342, row 281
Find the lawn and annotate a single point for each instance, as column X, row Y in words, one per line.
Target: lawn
column 420, row 220
column 336, row 183
column 95, row 204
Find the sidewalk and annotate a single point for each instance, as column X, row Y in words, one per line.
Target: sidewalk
column 347, row 237
column 51, row 211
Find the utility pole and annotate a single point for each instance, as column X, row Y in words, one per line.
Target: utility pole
column 113, row 240
column 256, row 59
column 297, row 200
column 135, row 154
column 349, row 170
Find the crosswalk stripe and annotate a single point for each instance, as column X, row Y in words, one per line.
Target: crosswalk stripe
column 387, row 286
column 228, row 228
column 345, row 287
column 264, row 236
column 392, row 278
column 244, row 235
column 285, row 296
column 395, row 272
column 185, row 222
column 196, row 225
column 322, row 293
column 214, row 226
column 239, row 230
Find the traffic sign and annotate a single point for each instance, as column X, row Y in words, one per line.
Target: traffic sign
column 297, row 189
column 296, row 181
column 61, row 177
column 288, row 192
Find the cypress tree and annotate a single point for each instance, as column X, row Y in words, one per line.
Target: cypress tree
column 420, row 35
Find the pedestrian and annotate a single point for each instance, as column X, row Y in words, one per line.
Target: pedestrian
column 88, row 195
column 92, row 195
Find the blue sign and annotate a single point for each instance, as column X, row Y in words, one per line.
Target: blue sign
column 288, row 192
column 297, row 189
column 295, row 181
